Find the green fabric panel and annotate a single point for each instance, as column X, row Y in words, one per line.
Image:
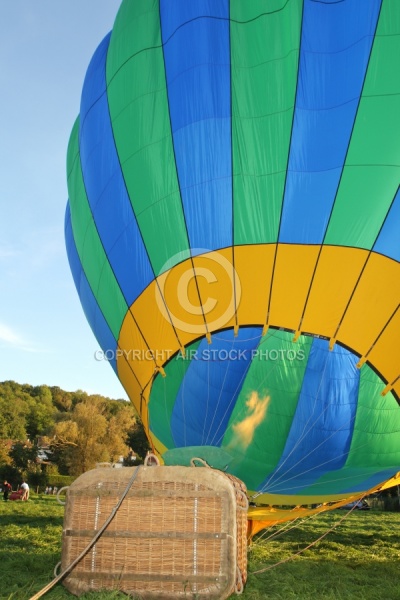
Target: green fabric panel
column 375, row 442
column 372, row 170
column 163, row 395
column 139, row 112
column 264, row 59
column 376, row 434
column 91, row 252
column 214, row 457
column 73, row 148
column 280, row 380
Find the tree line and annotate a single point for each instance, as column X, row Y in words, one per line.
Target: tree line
column 47, row 432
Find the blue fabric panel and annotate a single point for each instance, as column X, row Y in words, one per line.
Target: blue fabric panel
column 369, row 482
column 91, row 309
column 197, row 64
column 210, row 388
column 335, row 46
column 322, row 426
column 388, row 242
column 105, row 186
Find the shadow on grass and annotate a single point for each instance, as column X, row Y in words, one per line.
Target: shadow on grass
column 29, row 521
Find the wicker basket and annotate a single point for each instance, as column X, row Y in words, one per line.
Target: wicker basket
column 180, row 532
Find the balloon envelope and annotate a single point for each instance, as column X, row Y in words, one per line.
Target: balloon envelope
column 232, row 229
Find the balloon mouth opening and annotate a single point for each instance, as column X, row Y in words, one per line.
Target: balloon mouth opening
column 203, row 348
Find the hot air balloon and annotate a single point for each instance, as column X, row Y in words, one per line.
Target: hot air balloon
column 233, row 233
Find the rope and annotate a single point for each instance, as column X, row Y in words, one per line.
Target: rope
column 284, row 560
column 55, row 572
column 284, row 529
column 239, row 587
column 91, row 543
column 245, row 501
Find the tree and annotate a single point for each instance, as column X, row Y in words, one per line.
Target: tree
column 13, row 411
column 5, row 458
column 137, row 440
column 41, row 411
column 62, row 400
column 24, row 456
column 80, row 437
column 88, row 437
column 81, row 429
column 117, row 434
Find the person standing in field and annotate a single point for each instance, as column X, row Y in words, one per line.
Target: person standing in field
column 6, row 490
column 25, row 488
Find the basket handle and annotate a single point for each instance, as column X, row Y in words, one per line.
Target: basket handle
column 151, row 460
column 58, row 495
column 199, row 460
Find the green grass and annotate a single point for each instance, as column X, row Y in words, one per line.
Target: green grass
column 359, row 560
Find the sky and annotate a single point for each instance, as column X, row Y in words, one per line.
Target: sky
column 45, row 49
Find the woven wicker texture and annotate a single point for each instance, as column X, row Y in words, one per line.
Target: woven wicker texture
column 179, row 532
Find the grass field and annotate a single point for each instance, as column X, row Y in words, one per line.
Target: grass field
column 359, row 560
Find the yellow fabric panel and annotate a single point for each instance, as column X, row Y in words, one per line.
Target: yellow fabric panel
column 216, row 281
column 385, row 354
column 267, row 516
column 396, row 388
column 177, row 299
column 151, row 334
column 253, row 264
column 134, row 350
column 178, row 287
column 133, row 389
column 335, row 277
column 144, row 414
column 285, row 500
column 391, row 482
column 376, row 297
column 261, row 517
column 155, row 323
column 293, row 272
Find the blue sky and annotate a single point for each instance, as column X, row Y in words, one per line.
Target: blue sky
column 45, row 48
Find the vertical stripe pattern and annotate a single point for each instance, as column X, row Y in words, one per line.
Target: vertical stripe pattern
column 248, row 150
